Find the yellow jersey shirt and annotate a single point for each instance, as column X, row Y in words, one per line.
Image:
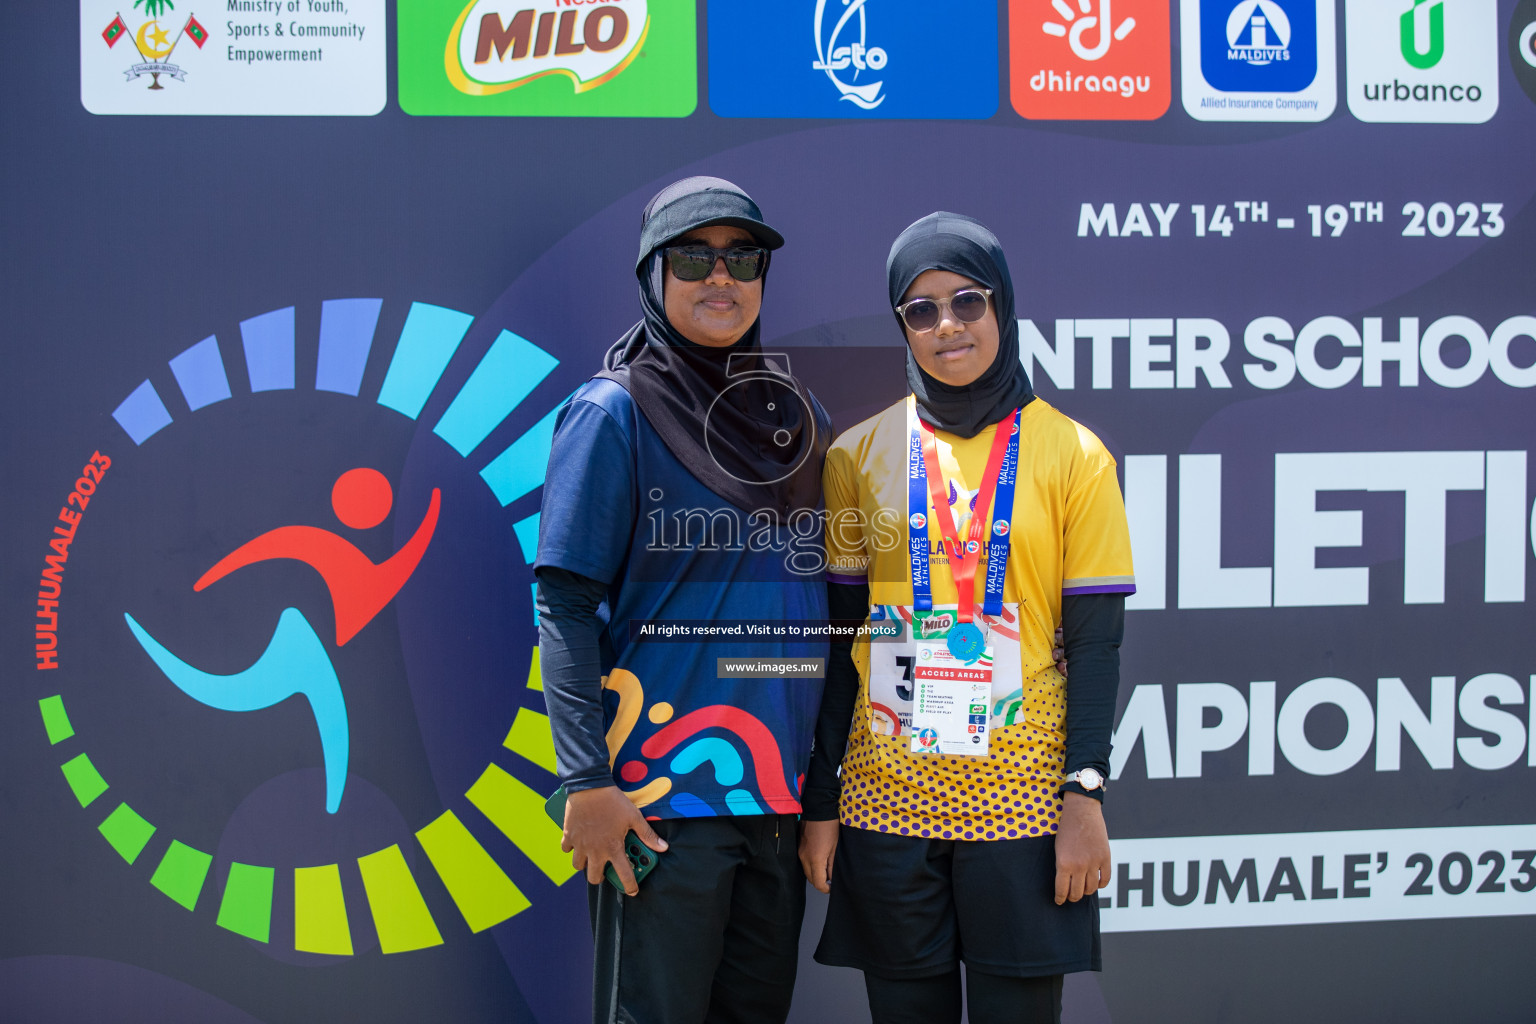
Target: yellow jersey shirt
column 1068, row 536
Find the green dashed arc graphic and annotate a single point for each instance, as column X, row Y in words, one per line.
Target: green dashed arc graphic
column 484, row 894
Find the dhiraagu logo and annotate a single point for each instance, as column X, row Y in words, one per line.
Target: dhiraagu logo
column 1090, row 59
column 567, row 58
column 1424, row 61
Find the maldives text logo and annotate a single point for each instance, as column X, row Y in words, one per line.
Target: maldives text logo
column 1423, row 60
column 1090, row 59
column 601, row 58
column 1258, row 47
column 1258, row 60
column 852, row 58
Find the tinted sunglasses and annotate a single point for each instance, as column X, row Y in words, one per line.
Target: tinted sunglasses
column 696, row 262
column 968, row 305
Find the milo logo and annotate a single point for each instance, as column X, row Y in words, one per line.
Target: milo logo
column 930, row 625
column 548, row 58
column 500, row 46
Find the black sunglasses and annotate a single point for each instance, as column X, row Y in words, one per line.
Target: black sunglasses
column 696, row 262
column 968, row 305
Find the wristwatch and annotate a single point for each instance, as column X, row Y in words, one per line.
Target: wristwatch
column 1090, row 779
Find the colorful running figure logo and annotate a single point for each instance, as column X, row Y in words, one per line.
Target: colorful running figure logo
column 359, row 589
column 295, row 661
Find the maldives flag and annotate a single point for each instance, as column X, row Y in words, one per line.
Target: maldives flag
column 196, row 32
column 113, row 31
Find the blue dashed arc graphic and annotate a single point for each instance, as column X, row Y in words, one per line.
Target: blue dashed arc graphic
column 510, row 369
column 484, row 894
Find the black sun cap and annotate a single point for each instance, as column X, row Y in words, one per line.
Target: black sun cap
column 699, row 202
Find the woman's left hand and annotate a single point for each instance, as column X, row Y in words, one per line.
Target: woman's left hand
column 1083, row 863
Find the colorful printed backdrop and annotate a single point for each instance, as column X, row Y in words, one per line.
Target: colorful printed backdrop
column 279, row 390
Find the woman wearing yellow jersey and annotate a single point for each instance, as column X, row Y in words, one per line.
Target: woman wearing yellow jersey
column 967, row 522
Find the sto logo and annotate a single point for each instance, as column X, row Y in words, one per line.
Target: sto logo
column 295, row 661
column 832, row 57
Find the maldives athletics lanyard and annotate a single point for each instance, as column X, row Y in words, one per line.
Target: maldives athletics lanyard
column 925, row 479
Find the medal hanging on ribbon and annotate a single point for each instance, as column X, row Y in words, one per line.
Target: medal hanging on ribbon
column 966, row 640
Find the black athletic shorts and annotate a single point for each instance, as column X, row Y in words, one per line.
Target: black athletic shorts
column 904, row 906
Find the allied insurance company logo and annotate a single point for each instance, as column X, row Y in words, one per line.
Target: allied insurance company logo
column 155, row 41
column 1423, row 61
column 296, row 662
column 1258, row 46
column 844, row 54
column 496, row 46
column 1259, row 60
column 1090, row 59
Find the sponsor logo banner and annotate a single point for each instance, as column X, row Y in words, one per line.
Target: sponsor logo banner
column 857, row 58
column 1258, row 60
column 1423, row 60
column 235, row 57
column 1321, row 878
column 1090, row 59
column 552, row 58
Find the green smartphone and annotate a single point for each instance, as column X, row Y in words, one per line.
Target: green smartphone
column 642, row 859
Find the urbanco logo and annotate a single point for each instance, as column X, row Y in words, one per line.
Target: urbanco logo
column 1423, row 61
column 852, row 58
column 548, row 57
column 1258, row 60
column 1522, row 46
column 247, row 538
column 1425, row 21
column 835, row 57
column 1090, row 59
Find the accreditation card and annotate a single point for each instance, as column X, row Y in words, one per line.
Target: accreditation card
column 950, row 702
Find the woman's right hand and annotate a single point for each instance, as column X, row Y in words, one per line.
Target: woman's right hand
column 818, row 844
column 597, row 821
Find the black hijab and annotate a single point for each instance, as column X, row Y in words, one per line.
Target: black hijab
column 739, row 422
column 961, row 245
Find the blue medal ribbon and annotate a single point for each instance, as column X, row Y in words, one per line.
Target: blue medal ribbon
column 917, row 517
column 966, row 639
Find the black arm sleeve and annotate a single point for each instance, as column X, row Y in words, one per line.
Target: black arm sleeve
column 1092, row 626
column 846, row 603
column 571, row 664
